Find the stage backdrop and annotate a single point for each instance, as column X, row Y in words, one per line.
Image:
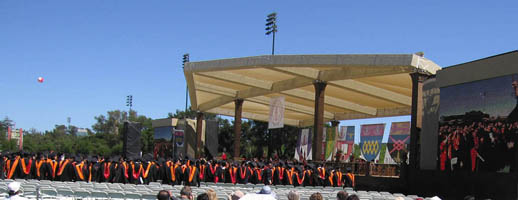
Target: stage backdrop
column 476, row 131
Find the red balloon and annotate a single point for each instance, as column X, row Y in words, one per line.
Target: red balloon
column 40, row 79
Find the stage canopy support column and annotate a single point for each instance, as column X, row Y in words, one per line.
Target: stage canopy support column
column 416, row 116
column 318, row 127
column 199, row 130
column 237, row 126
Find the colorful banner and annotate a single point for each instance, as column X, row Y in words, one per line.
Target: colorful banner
column 370, row 140
column 303, row 150
column 330, row 142
column 398, row 141
column 345, row 142
column 179, row 137
column 276, row 119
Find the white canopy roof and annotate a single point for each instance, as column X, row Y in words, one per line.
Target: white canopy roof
column 358, row 86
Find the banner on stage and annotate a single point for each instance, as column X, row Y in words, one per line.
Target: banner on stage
column 370, row 140
column 179, row 137
column 303, row 151
column 399, row 139
column 345, row 141
column 330, row 142
column 276, row 119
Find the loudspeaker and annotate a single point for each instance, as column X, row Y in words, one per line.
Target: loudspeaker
column 131, row 139
column 211, row 138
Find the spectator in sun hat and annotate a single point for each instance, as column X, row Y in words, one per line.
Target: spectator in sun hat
column 14, row 190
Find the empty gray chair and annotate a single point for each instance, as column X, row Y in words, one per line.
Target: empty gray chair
column 133, row 196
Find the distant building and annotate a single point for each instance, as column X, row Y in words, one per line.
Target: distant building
column 82, row 132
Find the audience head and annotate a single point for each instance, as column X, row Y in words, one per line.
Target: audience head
column 293, row 195
column 316, row 196
column 353, row 197
column 342, row 195
column 14, row 188
column 186, row 191
column 212, row 194
column 237, row 195
column 203, row 196
column 163, row 195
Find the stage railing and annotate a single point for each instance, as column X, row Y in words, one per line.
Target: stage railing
column 367, row 168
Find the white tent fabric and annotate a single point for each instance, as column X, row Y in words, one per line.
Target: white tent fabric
column 358, row 86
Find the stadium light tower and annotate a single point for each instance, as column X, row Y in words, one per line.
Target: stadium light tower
column 185, row 60
column 271, row 28
column 129, row 103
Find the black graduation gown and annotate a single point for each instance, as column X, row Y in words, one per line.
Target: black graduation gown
column 148, row 170
column 179, row 174
column 81, row 172
column 191, row 176
column 267, row 176
column 219, row 174
column 68, row 172
column 95, row 172
column 49, row 173
column 2, row 165
column 106, row 172
column 308, row 178
column 278, row 176
column 348, row 182
column 338, row 179
column 226, row 175
column 210, row 175
column 41, row 169
column 327, row 182
column 14, row 168
column 243, row 174
column 135, row 173
column 119, row 173
column 29, row 164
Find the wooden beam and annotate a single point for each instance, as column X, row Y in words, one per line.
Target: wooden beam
column 298, row 71
column 189, row 77
column 238, row 78
column 373, row 91
column 290, row 106
column 361, row 72
column 215, row 89
column 332, row 101
column 254, row 116
column 380, row 113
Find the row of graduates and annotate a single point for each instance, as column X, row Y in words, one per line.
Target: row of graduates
column 272, row 174
column 175, row 172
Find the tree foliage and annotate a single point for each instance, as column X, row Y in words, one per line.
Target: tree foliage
column 105, row 137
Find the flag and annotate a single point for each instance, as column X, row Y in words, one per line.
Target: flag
column 303, row 151
column 398, row 141
column 330, row 142
column 345, row 141
column 276, row 119
column 370, row 140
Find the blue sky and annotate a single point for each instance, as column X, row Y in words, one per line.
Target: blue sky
column 94, row 53
column 492, row 96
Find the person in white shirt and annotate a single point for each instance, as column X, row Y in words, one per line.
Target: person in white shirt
column 14, row 191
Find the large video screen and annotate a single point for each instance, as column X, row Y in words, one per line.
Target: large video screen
column 163, row 142
column 478, row 128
